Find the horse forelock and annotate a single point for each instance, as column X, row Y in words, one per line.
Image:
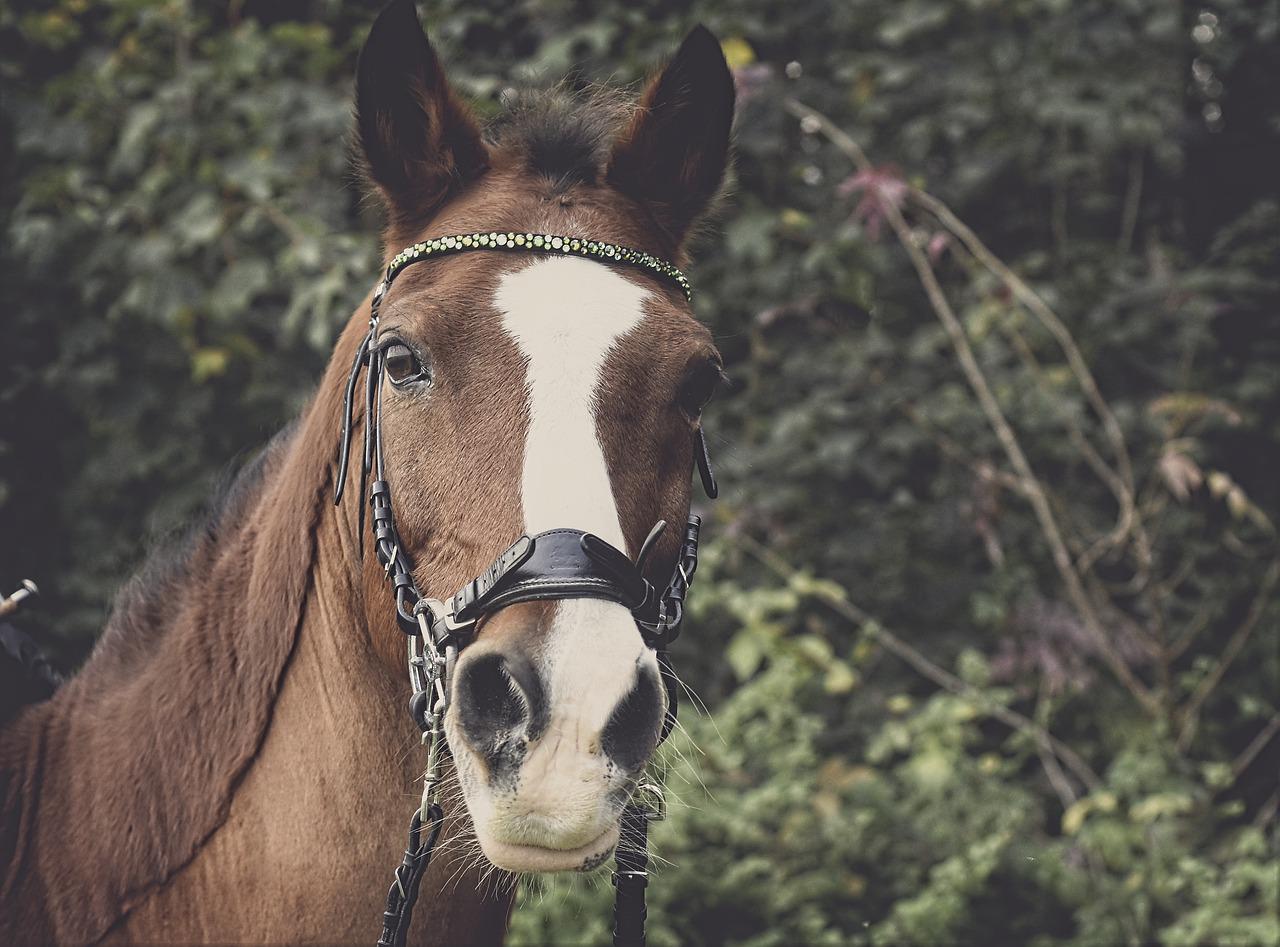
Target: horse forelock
column 562, row 134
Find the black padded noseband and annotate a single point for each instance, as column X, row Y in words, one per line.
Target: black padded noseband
column 556, row 564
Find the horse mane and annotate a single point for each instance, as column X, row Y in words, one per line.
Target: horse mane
column 141, row 613
column 562, row 133
column 163, row 721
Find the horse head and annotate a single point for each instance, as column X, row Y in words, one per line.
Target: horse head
column 536, row 394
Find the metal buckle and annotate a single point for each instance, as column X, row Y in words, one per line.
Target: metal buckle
column 10, row 604
column 376, row 302
column 655, row 634
column 442, row 617
column 430, row 671
column 434, row 739
column 640, row 876
column 651, row 798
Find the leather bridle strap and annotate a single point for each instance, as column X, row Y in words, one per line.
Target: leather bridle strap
column 631, row 878
column 556, row 564
column 404, row 891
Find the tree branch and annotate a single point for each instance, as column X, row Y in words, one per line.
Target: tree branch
column 991, row 408
column 949, row 447
column 1191, row 712
column 1124, row 499
column 841, row 605
column 1132, row 201
column 1256, row 746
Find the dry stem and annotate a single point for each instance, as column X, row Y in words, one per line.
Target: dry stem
column 841, row 605
column 1032, row 486
column 1191, row 712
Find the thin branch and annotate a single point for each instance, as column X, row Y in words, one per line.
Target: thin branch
column 939, row 675
column 1124, row 498
column 951, row 448
column 1256, row 746
column 283, row 221
column 1052, row 769
column 1048, row 318
column 1268, row 811
column 1057, row 328
column 1169, row 586
column 1196, row 624
column 1057, row 778
column 995, row 416
column 1132, row 201
column 1191, row 712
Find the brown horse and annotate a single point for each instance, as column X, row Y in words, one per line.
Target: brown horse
column 234, row 762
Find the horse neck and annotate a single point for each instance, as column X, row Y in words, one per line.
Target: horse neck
column 112, row 786
column 262, row 671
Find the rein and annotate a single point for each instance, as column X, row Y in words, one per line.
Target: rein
column 555, row 564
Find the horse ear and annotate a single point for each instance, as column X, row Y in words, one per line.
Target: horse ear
column 673, row 155
column 419, row 141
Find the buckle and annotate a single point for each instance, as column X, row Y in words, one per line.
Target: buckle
column 437, row 622
column 650, row 798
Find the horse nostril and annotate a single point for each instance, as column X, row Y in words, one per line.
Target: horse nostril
column 631, row 735
column 496, row 695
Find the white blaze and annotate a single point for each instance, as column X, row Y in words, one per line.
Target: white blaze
column 565, row 314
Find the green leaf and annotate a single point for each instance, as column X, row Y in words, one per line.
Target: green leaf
column 745, row 654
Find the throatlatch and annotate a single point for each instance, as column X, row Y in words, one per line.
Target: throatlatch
column 556, row 564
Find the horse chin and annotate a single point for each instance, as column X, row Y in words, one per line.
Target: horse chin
column 518, row 857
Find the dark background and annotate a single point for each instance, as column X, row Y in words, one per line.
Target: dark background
column 927, row 729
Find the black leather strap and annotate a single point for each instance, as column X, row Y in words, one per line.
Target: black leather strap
column 702, row 457
column 408, row 877
column 630, row 878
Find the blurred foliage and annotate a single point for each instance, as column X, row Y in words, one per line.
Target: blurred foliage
column 183, row 237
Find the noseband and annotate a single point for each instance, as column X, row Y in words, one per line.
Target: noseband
column 556, row 564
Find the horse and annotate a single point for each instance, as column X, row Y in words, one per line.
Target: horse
column 234, row 762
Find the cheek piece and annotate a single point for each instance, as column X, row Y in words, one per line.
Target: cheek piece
column 557, row 564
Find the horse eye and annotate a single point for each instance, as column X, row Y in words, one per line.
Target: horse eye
column 402, row 365
column 699, row 387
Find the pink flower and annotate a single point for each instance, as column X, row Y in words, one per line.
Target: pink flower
column 938, row 244
column 881, row 188
column 749, row 80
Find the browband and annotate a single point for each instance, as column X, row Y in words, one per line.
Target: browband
column 538, row 243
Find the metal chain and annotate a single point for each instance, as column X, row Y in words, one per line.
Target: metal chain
column 429, row 667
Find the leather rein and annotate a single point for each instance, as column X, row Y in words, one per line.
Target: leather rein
column 556, row 564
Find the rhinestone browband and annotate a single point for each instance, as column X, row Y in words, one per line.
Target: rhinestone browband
column 538, row 243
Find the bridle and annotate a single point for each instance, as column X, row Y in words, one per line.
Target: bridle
column 555, row 564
